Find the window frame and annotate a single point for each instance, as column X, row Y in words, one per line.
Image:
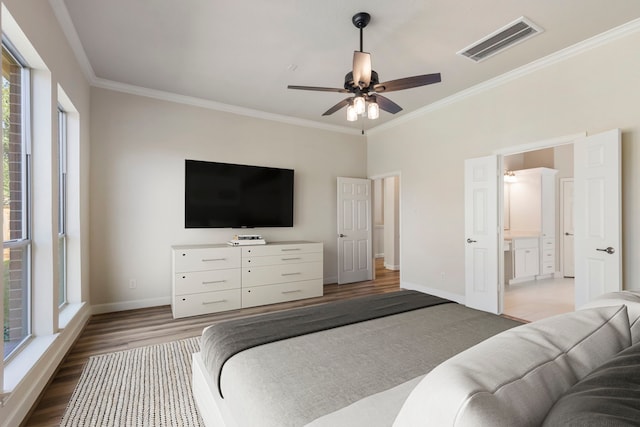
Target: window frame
column 62, row 207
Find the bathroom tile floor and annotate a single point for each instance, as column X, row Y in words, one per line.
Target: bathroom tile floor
column 539, row 299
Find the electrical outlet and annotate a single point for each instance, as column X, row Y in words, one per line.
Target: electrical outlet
column 133, row 284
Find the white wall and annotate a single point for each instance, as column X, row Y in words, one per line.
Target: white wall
column 139, row 146
column 593, row 91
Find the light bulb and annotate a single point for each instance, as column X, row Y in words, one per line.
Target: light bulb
column 359, row 104
column 352, row 116
column 510, row 176
column 373, row 111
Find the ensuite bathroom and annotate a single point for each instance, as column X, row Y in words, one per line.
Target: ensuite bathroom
column 538, row 233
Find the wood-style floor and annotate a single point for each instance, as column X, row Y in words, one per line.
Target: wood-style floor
column 123, row 330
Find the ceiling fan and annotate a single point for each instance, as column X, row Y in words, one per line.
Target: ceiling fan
column 363, row 83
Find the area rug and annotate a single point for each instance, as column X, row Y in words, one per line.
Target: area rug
column 147, row 386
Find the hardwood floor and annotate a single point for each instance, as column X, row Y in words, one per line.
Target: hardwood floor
column 124, row 330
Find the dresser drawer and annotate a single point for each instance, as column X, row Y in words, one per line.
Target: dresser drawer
column 281, row 292
column 206, row 302
column 206, row 281
column 280, row 249
column 266, row 275
column 285, row 258
column 201, row 259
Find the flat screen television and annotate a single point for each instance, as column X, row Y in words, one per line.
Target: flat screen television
column 224, row 195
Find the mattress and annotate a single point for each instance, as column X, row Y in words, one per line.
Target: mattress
column 357, row 374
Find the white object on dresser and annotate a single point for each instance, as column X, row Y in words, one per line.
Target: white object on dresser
column 212, row 278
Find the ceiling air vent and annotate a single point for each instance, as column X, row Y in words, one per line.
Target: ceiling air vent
column 507, row 36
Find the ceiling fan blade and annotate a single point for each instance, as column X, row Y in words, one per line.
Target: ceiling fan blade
column 318, row 89
column 408, row 82
column 361, row 69
column 386, row 104
column 338, row 106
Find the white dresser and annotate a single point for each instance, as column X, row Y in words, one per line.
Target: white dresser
column 212, row 278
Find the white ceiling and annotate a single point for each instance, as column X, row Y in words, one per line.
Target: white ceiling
column 245, row 53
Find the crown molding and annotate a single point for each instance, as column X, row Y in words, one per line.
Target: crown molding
column 217, row 106
column 69, row 30
column 609, row 36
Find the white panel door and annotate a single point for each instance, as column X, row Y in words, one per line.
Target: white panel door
column 597, row 217
column 355, row 257
column 568, row 254
column 481, row 233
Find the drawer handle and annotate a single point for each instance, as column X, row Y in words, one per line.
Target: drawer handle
column 213, row 302
column 213, row 259
column 291, row 259
column 290, row 249
column 291, row 274
column 292, row 292
column 213, row 281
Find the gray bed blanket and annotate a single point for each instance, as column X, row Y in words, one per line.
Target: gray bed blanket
column 232, row 337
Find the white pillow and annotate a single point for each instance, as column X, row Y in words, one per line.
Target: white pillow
column 629, row 298
column 513, row 378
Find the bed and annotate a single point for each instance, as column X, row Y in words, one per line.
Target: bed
column 356, row 373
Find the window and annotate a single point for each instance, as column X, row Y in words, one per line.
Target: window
column 15, row 207
column 62, row 207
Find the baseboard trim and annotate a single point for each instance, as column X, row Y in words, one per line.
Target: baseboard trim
column 130, row 305
column 330, row 280
column 391, row 267
column 436, row 292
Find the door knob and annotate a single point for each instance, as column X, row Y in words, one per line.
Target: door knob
column 568, row 234
column 342, row 235
column 471, row 241
column 608, row 250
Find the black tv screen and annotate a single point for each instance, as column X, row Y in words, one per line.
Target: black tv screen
column 223, row 195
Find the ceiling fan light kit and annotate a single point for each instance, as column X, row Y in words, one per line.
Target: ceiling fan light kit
column 373, row 111
column 365, row 86
column 352, row 115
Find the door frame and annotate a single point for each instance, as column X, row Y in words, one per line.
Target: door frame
column 562, row 230
column 388, row 175
column 523, row 148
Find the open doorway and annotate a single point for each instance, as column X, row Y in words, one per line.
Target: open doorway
column 538, row 212
column 386, row 221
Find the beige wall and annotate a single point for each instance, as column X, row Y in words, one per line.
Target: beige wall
column 539, row 159
column 593, row 92
column 137, row 186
